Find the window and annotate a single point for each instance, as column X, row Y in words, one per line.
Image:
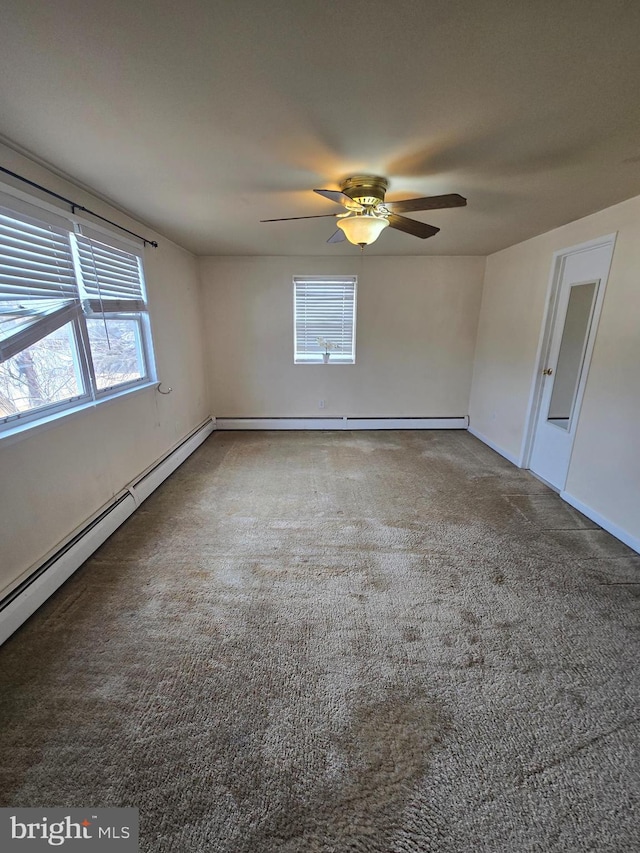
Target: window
column 324, row 310
column 74, row 324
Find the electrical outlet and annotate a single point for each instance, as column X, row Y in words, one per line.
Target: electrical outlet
column 321, row 404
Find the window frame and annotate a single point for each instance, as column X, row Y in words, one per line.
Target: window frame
column 75, row 312
column 140, row 347
column 10, row 423
column 315, row 356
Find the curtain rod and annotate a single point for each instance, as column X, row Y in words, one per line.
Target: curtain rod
column 75, row 206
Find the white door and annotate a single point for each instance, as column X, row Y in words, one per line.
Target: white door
column 572, row 323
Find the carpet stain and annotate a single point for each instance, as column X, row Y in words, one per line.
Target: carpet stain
column 379, row 758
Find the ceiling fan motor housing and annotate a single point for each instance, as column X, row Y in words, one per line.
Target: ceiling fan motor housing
column 367, row 190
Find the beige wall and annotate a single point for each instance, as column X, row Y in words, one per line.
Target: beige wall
column 416, row 326
column 605, row 466
column 52, row 480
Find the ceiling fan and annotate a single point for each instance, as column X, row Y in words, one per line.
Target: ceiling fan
column 367, row 214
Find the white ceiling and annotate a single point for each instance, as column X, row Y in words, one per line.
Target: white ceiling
column 202, row 117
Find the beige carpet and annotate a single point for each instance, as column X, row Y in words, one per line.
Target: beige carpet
column 379, row 641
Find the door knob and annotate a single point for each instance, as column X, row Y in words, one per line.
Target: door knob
column 548, row 371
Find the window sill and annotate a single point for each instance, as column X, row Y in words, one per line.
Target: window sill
column 322, row 363
column 14, row 434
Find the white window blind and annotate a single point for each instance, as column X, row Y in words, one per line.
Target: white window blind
column 38, row 291
column 110, row 275
column 74, row 323
column 325, row 309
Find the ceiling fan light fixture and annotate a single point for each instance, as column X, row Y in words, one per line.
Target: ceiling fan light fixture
column 362, row 229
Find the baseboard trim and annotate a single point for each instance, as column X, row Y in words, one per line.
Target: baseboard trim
column 341, row 423
column 621, row 534
column 483, row 438
column 150, row 479
column 45, row 578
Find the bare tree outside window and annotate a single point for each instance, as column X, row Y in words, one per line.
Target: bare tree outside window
column 44, row 373
column 74, row 324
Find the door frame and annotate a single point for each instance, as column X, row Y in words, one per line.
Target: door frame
column 546, row 332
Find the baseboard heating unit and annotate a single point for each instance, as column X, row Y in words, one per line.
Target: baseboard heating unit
column 343, row 423
column 25, row 598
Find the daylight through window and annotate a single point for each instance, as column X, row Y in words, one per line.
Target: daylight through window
column 74, row 325
column 324, row 310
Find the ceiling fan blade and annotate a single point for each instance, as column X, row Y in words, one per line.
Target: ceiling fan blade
column 289, row 218
column 411, row 226
column 334, row 195
column 432, row 202
column 337, row 236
